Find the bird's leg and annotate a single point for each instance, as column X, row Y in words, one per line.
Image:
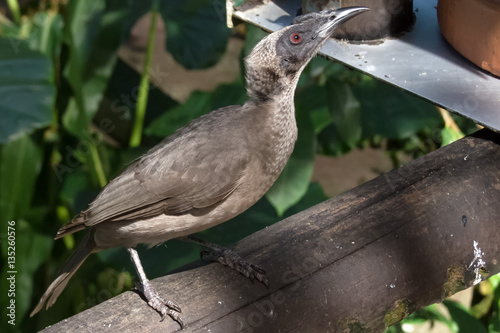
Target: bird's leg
column 229, row 258
column 164, row 307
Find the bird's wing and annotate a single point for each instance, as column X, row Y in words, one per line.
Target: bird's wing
column 192, row 169
column 153, row 187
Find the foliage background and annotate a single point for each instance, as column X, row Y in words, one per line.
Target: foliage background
column 63, row 136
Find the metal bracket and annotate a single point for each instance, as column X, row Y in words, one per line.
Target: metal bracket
column 421, row 62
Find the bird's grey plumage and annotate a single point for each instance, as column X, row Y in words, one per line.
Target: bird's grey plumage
column 213, row 168
column 192, row 169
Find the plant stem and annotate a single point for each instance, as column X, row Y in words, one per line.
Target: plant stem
column 15, row 10
column 142, row 98
column 98, row 165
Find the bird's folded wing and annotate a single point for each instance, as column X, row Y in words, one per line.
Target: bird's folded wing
column 171, row 180
column 155, row 186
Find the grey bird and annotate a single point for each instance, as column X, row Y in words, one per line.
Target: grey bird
column 208, row 171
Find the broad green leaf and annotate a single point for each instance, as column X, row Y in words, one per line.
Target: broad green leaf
column 253, row 36
column 46, row 35
column 118, row 103
column 330, row 143
column 74, row 182
column 229, row 94
column 392, row 113
column 320, row 119
column 293, row 182
column 94, row 35
column 313, row 99
column 464, row 319
column 20, row 165
column 84, row 20
column 42, row 32
column 345, row 110
column 321, row 70
column 198, row 104
column 196, row 35
column 31, row 250
column 27, row 91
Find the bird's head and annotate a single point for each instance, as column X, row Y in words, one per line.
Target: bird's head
column 279, row 58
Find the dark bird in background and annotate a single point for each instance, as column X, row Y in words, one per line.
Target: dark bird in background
column 208, row 171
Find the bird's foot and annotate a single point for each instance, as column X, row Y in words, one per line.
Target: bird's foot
column 164, row 307
column 230, row 258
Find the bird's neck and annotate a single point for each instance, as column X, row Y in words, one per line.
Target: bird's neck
column 283, row 127
column 274, row 94
column 266, row 84
column 275, row 103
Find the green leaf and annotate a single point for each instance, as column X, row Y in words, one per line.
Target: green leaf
column 20, row 165
column 26, row 89
column 494, row 320
column 345, row 110
column 47, row 36
column 392, row 113
column 449, row 135
column 330, row 143
column 31, row 250
column 253, row 36
column 118, row 103
column 84, row 20
column 93, row 35
column 293, row 182
column 313, row 98
column 430, row 313
column 465, row 320
column 322, row 70
column 198, row 104
column 197, row 34
column 229, row 94
column 73, row 184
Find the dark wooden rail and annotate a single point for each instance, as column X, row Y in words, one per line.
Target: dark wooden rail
column 356, row 262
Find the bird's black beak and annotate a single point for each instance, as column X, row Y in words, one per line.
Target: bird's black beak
column 336, row 17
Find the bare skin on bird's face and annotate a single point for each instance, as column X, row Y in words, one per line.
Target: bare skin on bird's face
column 209, row 171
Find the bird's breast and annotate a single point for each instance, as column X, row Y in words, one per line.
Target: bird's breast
column 282, row 138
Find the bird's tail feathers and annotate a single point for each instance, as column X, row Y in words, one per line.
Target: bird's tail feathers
column 86, row 247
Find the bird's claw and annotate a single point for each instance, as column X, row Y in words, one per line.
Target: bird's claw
column 164, row 307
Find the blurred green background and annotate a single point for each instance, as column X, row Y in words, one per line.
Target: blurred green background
column 78, row 103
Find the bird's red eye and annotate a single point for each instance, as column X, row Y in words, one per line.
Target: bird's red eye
column 295, row 38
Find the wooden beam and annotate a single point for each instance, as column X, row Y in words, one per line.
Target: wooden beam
column 358, row 261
